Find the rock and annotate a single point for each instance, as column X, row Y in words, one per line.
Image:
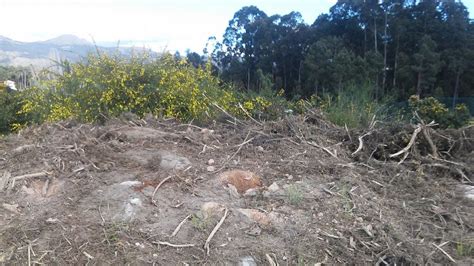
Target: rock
column 170, row 161
column 11, row 207
column 210, row 162
column 260, row 148
column 211, row 168
column 211, row 209
column 247, row 261
column 257, row 216
column 468, row 191
column 274, row 187
column 241, row 180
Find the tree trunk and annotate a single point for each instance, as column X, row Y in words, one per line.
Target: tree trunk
column 385, row 43
column 418, row 85
column 375, row 36
column 456, row 87
column 248, row 79
column 395, row 65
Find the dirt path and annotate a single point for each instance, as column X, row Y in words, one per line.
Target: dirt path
column 153, row 194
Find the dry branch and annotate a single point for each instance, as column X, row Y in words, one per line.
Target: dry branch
column 157, row 187
column 361, row 143
column 410, row 144
column 179, row 226
column 174, row 245
column 333, row 154
column 444, row 252
column 211, row 235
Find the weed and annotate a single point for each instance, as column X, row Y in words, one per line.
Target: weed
column 199, row 222
column 294, row 194
column 347, row 204
column 465, row 249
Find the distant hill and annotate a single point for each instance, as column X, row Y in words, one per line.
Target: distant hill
column 45, row 53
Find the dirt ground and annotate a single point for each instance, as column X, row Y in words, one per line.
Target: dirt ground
column 160, row 192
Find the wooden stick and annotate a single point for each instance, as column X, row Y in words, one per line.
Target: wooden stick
column 40, row 174
column 444, row 252
column 157, row 187
column 174, row 245
column 312, row 143
column 412, row 141
column 361, row 143
column 235, row 153
column 247, row 113
column 179, row 226
column 208, row 240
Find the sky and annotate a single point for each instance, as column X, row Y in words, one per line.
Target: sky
column 173, row 25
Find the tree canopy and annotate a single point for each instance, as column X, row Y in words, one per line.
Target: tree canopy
column 398, row 47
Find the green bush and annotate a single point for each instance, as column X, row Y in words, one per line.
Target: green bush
column 354, row 107
column 430, row 109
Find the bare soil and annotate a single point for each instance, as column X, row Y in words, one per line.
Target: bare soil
column 116, row 193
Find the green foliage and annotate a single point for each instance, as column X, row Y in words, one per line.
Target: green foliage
column 430, row 109
column 465, row 248
column 294, row 194
column 105, row 86
column 354, row 107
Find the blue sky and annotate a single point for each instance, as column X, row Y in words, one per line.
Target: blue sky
column 159, row 24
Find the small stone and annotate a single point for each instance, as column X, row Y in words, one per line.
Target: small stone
column 155, row 255
column 210, row 162
column 320, row 214
column 211, row 209
column 359, row 219
column 136, row 201
column 274, row 187
column 52, row 220
column 257, row 216
column 247, row 261
column 260, row 148
column 290, row 177
column 211, row 168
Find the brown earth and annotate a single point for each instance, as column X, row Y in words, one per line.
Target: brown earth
column 115, row 194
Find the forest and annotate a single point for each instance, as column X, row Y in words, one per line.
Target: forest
column 396, row 48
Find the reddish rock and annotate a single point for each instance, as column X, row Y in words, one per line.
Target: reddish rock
column 241, row 180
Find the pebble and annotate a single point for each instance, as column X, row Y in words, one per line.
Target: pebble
column 210, row 162
column 211, row 168
column 260, row 148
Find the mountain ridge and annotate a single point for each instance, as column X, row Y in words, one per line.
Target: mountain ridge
column 42, row 54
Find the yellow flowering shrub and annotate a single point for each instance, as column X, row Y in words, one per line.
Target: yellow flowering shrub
column 103, row 86
column 430, row 109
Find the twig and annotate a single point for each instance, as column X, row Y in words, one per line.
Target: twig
column 463, row 175
column 233, row 155
column 312, row 143
column 361, row 143
column 247, row 113
column 208, row 240
column 226, row 113
column 444, row 252
column 329, row 235
column 412, row 141
column 157, row 187
column 270, row 260
column 174, row 245
column 179, row 226
column 40, row 174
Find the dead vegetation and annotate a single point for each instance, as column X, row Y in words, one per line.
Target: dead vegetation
column 305, row 192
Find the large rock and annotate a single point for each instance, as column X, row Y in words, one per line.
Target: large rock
column 241, row 182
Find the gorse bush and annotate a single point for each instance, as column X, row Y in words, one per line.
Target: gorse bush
column 430, row 109
column 103, row 86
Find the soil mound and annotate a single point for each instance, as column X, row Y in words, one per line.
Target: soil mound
column 136, row 192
